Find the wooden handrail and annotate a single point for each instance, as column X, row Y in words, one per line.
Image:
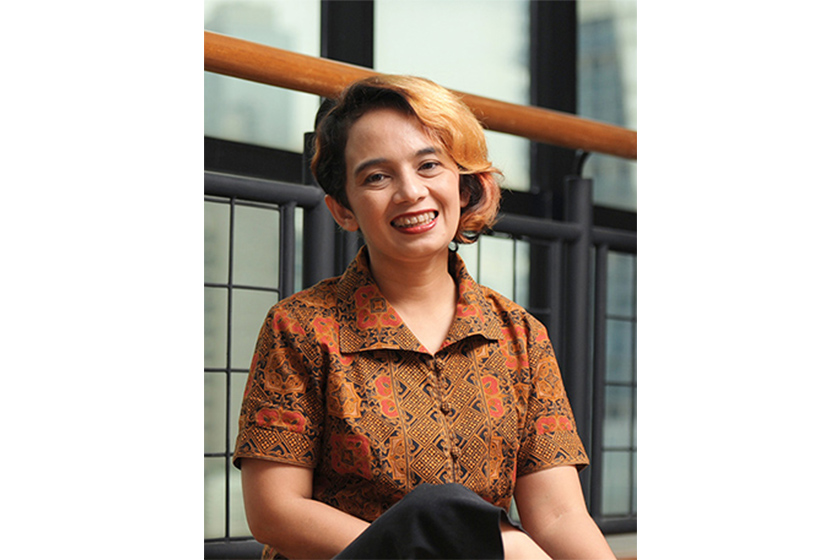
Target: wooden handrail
column 277, row 67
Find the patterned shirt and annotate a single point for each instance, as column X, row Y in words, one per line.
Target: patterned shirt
column 339, row 384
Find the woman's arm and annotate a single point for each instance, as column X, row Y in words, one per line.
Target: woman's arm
column 281, row 512
column 553, row 511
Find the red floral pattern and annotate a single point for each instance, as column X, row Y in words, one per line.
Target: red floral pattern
column 350, row 455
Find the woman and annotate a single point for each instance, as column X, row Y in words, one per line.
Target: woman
column 403, row 393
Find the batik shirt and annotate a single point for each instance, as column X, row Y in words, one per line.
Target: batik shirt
column 339, row 384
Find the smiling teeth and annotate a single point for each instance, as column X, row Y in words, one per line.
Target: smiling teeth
column 414, row 220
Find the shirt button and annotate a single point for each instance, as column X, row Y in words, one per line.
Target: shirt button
column 446, row 408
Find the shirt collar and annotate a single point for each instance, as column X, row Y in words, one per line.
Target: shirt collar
column 369, row 322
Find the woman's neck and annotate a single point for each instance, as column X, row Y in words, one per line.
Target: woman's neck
column 424, row 294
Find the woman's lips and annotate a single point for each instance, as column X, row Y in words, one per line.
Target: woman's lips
column 413, row 221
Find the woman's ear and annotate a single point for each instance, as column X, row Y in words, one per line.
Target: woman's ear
column 344, row 217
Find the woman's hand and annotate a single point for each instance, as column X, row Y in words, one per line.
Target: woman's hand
column 519, row 546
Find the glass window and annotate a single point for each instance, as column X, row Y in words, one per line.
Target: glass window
column 607, row 90
column 619, row 436
column 472, row 46
column 233, row 316
column 253, row 113
column 214, row 497
column 215, row 331
column 256, row 246
column 618, row 490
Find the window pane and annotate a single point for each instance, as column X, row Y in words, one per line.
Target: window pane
column 469, row 254
column 214, row 412
column 256, row 247
column 214, row 497
column 620, row 351
column 618, row 422
column 237, row 390
column 497, row 267
column 485, row 46
column 238, row 521
column 614, row 181
column 607, row 90
column 616, row 483
column 249, row 311
column 254, row 113
column 621, row 284
column 216, row 242
column 215, row 327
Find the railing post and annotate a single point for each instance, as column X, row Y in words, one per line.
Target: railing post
column 318, row 245
column 576, row 335
column 599, row 369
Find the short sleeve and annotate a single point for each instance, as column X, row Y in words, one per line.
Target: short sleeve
column 282, row 414
column 550, row 436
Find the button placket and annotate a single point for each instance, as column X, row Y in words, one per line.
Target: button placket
column 452, row 451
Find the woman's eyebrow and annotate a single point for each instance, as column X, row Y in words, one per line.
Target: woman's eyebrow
column 376, row 161
column 369, row 163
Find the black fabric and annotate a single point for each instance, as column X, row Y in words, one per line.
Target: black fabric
column 433, row 521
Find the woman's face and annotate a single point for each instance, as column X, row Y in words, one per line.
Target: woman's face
column 402, row 187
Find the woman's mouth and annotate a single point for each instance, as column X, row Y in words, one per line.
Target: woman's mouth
column 414, row 220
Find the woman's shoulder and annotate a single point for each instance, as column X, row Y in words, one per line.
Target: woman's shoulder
column 317, row 300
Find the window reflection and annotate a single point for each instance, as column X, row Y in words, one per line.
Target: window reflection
column 253, row 113
column 607, row 90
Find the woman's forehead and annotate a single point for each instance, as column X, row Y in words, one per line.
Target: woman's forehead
column 386, row 133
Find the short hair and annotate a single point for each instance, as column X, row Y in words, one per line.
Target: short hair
column 443, row 116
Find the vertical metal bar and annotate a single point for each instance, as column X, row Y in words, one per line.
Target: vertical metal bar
column 599, row 374
column 287, row 249
column 347, row 31
column 318, row 245
column 554, row 297
column 228, row 364
column 553, row 61
column 576, row 335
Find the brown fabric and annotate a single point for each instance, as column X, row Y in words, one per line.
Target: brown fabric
column 339, row 384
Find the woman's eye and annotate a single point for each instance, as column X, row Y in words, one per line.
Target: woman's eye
column 374, row 178
column 429, row 165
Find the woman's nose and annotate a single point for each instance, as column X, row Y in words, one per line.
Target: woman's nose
column 410, row 189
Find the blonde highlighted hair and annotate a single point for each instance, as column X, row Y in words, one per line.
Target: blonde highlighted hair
column 444, row 117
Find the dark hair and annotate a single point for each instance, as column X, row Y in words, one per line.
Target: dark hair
column 444, row 117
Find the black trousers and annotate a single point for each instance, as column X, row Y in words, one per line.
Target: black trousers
column 433, row 521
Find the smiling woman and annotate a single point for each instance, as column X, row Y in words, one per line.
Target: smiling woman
column 395, row 411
